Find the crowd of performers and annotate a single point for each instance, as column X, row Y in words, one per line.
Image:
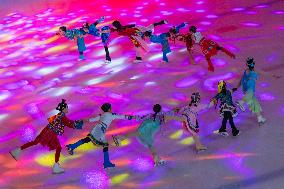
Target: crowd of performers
column 151, row 123
column 140, row 34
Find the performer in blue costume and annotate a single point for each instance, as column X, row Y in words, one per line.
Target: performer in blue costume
column 75, row 34
column 104, row 34
column 151, row 124
column 163, row 39
column 247, row 82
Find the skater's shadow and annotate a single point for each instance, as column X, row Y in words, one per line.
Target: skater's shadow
column 255, row 180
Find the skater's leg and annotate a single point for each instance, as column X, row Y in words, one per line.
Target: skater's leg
column 191, row 59
column 107, row 53
column 81, row 55
column 107, row 162
column 17, row 151
column 71, row 147
column 224, row 122
column 210, row 64
column 29, row 144
column 56, row 167
column 198, row 144
column 57, row 154
column 165, row 58
column 138, row 53
column 235, row 131
column 154, row 154
column 227, row 52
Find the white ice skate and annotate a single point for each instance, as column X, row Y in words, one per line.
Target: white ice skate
column 241, row 105
column 217, row 132
column 261, row 120
column 57, row 169
column 107, row 61
column 164, row 62
column 16, row 153
column 202, row 149
column 159, row 163
column 137, row 61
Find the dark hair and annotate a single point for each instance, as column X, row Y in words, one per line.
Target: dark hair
column 62, row 105
column 195, row 97
column 193, row 29
column 63, row 28
column 86, row 25
column 250, row 63
column 173, row 30
column 148, row 33
column 106, row 107
column 156, row 108
column 117, row 24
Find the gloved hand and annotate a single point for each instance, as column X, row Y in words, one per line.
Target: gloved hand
column 78, row 124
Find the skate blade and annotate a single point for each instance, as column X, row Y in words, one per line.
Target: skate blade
column 201, row 150
column 13, row 156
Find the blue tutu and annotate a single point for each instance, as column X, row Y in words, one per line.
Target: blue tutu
column 147, row 130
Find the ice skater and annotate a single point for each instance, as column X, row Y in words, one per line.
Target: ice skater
column 209, row 47
column 104, row 33
column 49, row 135
column 150, row 126
column 190, row 113
column 74, row 34
column 98, row 134
column 227, row 110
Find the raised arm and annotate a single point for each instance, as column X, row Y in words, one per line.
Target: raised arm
column 94, row 119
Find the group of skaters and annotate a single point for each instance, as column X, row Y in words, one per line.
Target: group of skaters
column 151, row 123
column 139, row 35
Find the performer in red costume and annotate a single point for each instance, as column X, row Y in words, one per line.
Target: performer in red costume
column 209, row 48
column 135, row 34
column 49, row 135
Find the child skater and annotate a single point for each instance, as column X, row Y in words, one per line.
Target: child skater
column 248, row 82
column 98, row 133
column 227, row 109
column 49, row 135
column 149, row 127
column 135, row 33
column 209, row 48
column 74, row 34
column 190, row 113
column 92, row 30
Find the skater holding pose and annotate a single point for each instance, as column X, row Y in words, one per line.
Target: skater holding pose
column 190, row 113
column 227, row 109
column 49, row 135
column 98, row 134
column 248, row 82
column 149, row 127
column 74, row 34
column 104, row 34
column 209, row 48
column 135, row 33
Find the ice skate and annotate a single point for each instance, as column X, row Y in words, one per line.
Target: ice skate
column 261, row 120
column 159, row 163
column 137, row 61
column 109, row 165
column 201, row 149
column 16, row 153
column 107, row 61
column 217, row 132
column 241, row 105
column 57, row 169
column 69, row 149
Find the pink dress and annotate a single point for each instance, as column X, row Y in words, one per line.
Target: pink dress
column 191, row 113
